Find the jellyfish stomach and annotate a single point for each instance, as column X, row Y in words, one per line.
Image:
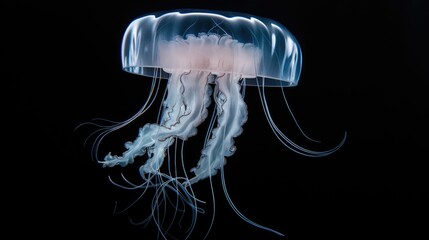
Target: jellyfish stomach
column 232, row 114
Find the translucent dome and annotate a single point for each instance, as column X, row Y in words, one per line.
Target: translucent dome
column 218, row 42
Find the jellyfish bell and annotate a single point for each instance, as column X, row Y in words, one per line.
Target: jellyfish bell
column 205, row 56
column 212, row 41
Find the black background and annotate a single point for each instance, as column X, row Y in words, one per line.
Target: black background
column 364, row 72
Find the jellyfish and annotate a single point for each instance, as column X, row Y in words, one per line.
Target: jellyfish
column 205, row 57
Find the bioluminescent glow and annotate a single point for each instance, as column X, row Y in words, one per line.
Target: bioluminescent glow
column 206, row 56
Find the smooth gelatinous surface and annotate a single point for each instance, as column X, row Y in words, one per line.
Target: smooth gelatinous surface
column 262, row 47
